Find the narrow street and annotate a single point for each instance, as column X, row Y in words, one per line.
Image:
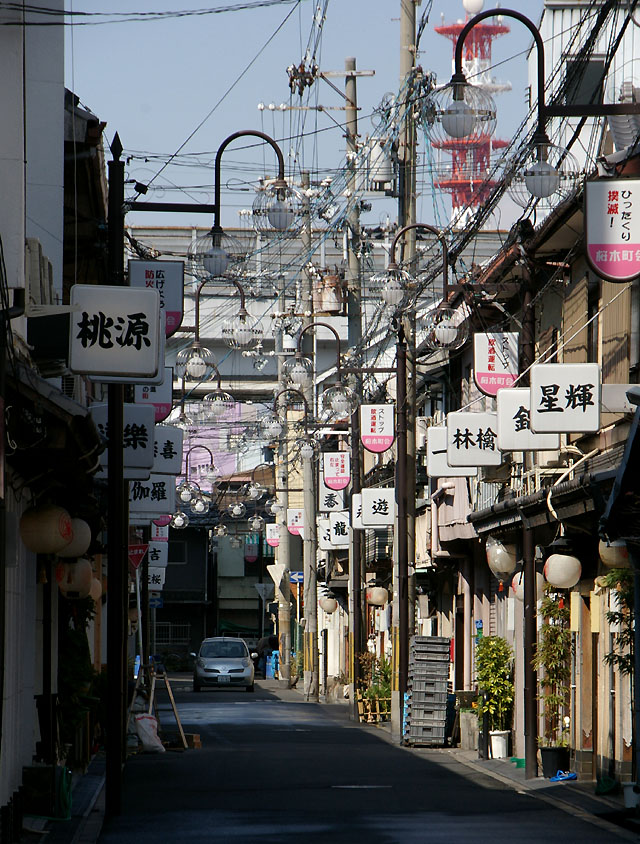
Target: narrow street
column 273, row 768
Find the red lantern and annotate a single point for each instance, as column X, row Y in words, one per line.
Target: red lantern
column 46, row 530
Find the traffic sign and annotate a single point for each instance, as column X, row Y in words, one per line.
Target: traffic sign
column 296, row 577
column 156, row 601
column 136, row 554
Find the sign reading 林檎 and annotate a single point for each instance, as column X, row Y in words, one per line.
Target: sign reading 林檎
column 472, row 439
column 612, row 228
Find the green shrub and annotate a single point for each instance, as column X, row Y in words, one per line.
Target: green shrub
column 494, row 674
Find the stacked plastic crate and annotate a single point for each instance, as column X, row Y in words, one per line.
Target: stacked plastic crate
column 425, row 715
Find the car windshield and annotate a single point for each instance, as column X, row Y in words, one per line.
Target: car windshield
column 216, row 650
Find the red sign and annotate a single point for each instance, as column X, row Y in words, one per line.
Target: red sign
column 136, row 554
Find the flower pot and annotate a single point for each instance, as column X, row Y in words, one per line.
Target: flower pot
column 499, row 743
column 554, row 759
column 631, row 797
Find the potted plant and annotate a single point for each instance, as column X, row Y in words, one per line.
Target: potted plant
column 553, row 657
column 374, row 694
column 494, row 674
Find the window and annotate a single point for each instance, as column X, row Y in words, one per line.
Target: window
column 177, row 552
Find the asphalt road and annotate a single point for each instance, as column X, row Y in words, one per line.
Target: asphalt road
column 273, row 768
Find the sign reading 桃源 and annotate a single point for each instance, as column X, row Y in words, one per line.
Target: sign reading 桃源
column 167, row 277
column 565, row 398
column 495, row 360
column 337, row 469
column 472, row 439
column 612, row 228
column 114, row 331
column 514, row 423
column 376, row 427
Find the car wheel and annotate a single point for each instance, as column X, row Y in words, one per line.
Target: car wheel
column 251, row 688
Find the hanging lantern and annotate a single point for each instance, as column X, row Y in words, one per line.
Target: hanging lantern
column 328, row 604
column 517, row 586
column 46, row 530
column 377, row 596
column 79, row 545
column 75, row 579
column 614, row 555
column 562, row 570
column 95, row 592
column 501, row 558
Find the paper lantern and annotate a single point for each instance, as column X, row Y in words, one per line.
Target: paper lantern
column 517, row 586
column 46, row 530
column 614, row 555
column 328, row 604
column 75, row 579
column 562, row 570
column 377, row 596
column 501, row 558
column 95, row 592
column 79, row 545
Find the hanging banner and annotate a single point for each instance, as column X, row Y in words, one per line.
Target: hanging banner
column 138, row 437
column 272, row 533
column 330, row 500
column 159, row 396
column 437, row 465
column 565, row 398
column 378, row 507
column 337, row 469
column 612, row 228
column 295, row 521
column 167, row 277
column 340, row 529
column 495, row 360
column 472, row 439
column 377, row 427
column 167, row 450
column 514, row 426
column 152, row 497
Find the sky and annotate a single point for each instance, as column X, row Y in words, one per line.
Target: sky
column 182, row 84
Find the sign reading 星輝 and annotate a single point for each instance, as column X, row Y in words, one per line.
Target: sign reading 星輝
column 437, row 465
column 495, row 360
column 167, row 277
column 378, row 507
column 472, row 439
column 612, row 228
column 565, row 397
column 376, row 427
column 114, row 331
column 337, row 469
column 514, row 424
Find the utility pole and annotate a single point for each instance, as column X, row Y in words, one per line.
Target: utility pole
column 309, row 544
column 354, row 322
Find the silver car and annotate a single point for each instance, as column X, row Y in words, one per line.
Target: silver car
column 223, row 662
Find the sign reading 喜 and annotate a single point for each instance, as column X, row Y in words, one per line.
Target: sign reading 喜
column 612, row 228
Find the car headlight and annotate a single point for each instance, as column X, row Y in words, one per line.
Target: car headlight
column 200, row 663
column 246, row 663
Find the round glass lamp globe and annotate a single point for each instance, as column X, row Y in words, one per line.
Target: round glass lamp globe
column 200, row 505
column 220, row 530
column 196, row 367
column 280, row 215
column 458, row 119
column 215, row 404
column 215, row 261
column 307, row 451
column 237, row 510
column 562, row 570
column 271, row 425
column 299, row 371
column 256, row 524
column 179, row 520
column 541, row 179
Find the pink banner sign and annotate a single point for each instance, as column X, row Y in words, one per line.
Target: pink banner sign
column 337, row 469
column 376, row 427
column 273, row 534
column 612, row 228
column 167, row 277
column 495, row 356
column 295, row 521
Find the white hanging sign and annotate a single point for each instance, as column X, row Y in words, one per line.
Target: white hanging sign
column 153, row 380
column 158, row 554
column 378, row 507
column 495, row 360
column 340, row 529
column 377, row 427
column 156, row 577
column 337, row 469
column 159, row 533
column 324, row 535
column 330, row 500
column 356, row 511
column 114, row 331
column 565, row 397
column 272, row 534
column 167, row 277
column 167, row 450
column 137, row 436
column 514, row 428
column 159, row 396
column 472, row 439
column 153, row 496
column 437, row 465
column 612, row 228
column 295, row 521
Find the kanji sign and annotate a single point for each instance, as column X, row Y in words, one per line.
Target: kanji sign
column 330, row 500
column 612, row 228
column 136, row 554
column 437, row 465
column 295, row 521
column 158, row 554
column 376, row 427
column 153, row 496
column 324, row 535
column 337, row 469
column 495, row 360
column 472, row 439
column 356, row 511
column 167, row 277
column 565, row 397
column 340, row 529
column 114, row 331
column 159, row 396
column 156, row 577
column 514, row 428
column 137, row 436
column 159, row 533
column 272, row 532
column 153, row 380
column 378, row 507
column 167, row 450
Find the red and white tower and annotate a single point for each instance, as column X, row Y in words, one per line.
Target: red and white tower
column 465, row 175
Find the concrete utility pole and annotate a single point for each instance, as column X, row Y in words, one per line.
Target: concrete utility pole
column 310, row 544
column 354, row 321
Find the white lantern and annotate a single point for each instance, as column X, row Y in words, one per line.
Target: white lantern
column 328, row 604
column 501, row 558
column 562, row 570
column 614, row 555
column 46, row 530
column 95, row 592
column 75, row 579
column 517, row 586
column 377, row 596
column 79, row 545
